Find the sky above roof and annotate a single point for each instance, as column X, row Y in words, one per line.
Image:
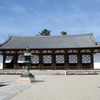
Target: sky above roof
column 29, row 17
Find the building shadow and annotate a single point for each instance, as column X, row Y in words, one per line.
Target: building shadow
column 3, row 84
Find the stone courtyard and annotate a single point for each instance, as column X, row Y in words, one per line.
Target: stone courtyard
column 51, row 87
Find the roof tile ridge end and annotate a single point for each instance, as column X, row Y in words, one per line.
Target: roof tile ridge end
column 9, row 37
column 93, row 39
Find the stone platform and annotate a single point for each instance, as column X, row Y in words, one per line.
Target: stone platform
column 26, row 80
column 65, row 72
column 54, row 72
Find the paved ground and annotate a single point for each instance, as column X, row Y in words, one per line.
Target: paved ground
column 57, row 87
column 9, row 87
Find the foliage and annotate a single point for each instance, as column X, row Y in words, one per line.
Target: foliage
column 45, row 32
column 64, row 33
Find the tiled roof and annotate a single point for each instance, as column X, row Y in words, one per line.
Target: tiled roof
column 50, row 42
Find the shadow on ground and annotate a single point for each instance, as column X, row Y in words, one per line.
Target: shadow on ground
column 3, row 84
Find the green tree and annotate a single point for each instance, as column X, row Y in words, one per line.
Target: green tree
column 63, row 33
column 45, row 32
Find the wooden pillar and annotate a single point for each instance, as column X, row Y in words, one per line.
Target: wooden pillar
column 4, row 58
column 91, row 64
column 53, row 66
column 15, row 61
column 65, row 67
column 79, row 60
column 66, row 61
column 40, row 61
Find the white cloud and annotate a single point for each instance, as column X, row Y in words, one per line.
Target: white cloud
column 18, row 8
column 75, row 21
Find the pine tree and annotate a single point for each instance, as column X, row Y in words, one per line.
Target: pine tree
column 45, row 32
column 64, row 33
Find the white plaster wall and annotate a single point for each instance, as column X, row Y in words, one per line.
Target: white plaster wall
column 96, row 61
column 1, row 61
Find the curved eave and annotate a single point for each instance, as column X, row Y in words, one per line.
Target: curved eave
column 53, row 48
column 9, row 37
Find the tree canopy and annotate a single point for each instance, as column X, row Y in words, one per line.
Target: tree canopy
column 45, row 32
column 63, row 33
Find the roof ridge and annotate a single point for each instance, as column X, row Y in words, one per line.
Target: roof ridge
column 81, row 34
column 55, row 35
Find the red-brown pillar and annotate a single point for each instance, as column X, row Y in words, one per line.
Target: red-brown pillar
column 66, row 60
column 4, row 58
column 67, row 56
column 15, row 61
column 91, row 64
column 40, row 61
column 79, row 60
column 53, row 66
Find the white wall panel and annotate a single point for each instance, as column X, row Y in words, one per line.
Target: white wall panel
column 1, row 61
column 96, row 61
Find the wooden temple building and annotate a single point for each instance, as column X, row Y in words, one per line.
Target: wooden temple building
column 51, row 52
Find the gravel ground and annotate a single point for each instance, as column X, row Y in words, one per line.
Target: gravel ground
column 60, row 87
column 9, row 78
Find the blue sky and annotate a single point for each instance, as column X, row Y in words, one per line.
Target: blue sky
column 28, row 17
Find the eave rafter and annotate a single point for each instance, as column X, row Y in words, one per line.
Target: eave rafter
column 75, row 50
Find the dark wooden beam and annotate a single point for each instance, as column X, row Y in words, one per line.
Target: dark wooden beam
column 79, row 60
column 4, row 57
column 53, row 66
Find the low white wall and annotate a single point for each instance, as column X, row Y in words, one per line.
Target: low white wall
column 1, row 61
column 96, row 61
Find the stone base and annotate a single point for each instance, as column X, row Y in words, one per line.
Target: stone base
column 26, row 80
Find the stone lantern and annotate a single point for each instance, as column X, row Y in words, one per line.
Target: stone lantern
column 27, row 76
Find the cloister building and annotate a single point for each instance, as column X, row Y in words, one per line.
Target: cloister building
column 51, row 52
